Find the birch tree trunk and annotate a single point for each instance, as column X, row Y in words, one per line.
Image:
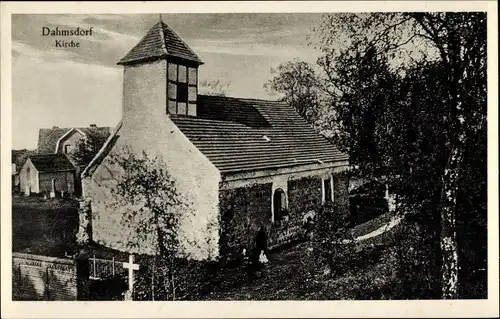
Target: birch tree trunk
column 448, row 240
column 448, row 237
column 449, row 244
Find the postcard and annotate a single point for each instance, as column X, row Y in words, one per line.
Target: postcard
column 249, row 159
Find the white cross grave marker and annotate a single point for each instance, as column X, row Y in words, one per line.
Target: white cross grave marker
column 131, row 267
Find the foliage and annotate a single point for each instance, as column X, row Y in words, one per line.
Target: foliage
column 155, row 203
column 19, row 157
column 296, row 81
column 332, row 240
column 214, row 87
column 364, row 209
column 416, row 271
column 88, row 148
column 407, row 100
column 153, row 212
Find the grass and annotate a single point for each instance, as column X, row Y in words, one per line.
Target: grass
column 48, row 227
column 293, row 274
column 44, row 227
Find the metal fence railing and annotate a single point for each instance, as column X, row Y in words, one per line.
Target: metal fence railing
column 104, row 268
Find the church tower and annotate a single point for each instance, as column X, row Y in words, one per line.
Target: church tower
column 160, row 76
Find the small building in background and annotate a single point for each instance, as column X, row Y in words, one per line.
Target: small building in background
column 51, row 174
column 18, row 158
column 79, row 144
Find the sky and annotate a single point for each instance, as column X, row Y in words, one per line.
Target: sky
column 76, row 87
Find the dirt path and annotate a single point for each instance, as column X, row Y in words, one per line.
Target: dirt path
column 379, row 231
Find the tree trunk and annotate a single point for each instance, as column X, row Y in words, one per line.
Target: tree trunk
column 448, row 240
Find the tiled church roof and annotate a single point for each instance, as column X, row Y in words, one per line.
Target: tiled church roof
column 240, row 135
column 245, row 134
column 161, row 41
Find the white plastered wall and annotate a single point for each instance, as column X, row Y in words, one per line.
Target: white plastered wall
column 147, row 127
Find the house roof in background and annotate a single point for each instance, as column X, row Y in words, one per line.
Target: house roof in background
column 240, row 135
column 48, row 137
column 46, row 163
column 160, row 42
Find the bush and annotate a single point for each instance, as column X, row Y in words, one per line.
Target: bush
column 365, row 208
column 332, row 241
column 191, row 279
column 418, row 272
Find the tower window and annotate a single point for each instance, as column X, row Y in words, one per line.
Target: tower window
column 182, row 92
column 182, row 89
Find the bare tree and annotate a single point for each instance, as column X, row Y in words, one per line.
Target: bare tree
column 214, row 87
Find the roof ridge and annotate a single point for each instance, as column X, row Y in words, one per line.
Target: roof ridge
column 180, row 38
column 162, row 36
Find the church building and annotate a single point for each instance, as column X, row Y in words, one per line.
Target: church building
column 246, row 166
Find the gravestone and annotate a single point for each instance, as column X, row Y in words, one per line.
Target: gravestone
column 53, row 188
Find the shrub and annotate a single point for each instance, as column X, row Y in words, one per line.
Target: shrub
column 364, row 208
column 418, row 272
column 181, row 279
column 333, row 244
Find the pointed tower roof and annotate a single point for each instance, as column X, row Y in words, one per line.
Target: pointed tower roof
column 160, row 42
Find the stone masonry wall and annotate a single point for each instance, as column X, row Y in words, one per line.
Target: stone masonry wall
column 243, row 212
column 64, row 181
column 245, row 209
column 341, row 193
column 304, row 194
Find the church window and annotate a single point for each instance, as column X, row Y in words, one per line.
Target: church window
column 182, row 92
column 191, row 109
column 172, row 72
column 181, row 108
column 279, row 204
column 182, row 74
column 172, row 89
column 193, row 76
column 172, row 107
column 181, row 89
column 192, row 93
column 67, row 148
column 327, row 189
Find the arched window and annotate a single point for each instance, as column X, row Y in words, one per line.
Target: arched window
column 279, row 204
